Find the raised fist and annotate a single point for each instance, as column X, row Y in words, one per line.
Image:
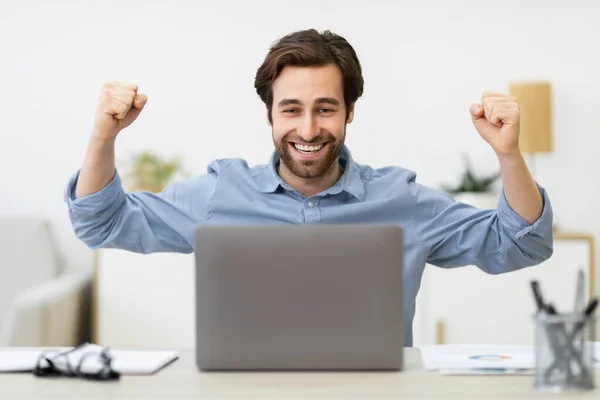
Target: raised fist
column 119, row 105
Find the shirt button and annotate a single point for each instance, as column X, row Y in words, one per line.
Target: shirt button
column 310, row 204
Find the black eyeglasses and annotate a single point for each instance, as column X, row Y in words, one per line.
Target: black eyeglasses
column 56, row 365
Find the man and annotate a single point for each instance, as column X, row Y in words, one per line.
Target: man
column 309, row 82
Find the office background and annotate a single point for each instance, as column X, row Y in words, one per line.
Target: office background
column 424, row 62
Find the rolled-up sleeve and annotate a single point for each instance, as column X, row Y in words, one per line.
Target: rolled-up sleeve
column 142, row 222
column 514, row 223
column 497, row 240
column 112, row 195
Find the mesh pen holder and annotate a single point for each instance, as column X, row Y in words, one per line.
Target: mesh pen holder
column 564, row 352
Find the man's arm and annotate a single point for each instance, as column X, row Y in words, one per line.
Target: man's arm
column 497, row 119
column 520, row 190
column 103, row 215
column 499, row 240
column 98, row 167
column 141, row 222
column 118, row 107
column 518, row 233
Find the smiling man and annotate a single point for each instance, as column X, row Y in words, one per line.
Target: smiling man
column 309, row 131
column 310, row 82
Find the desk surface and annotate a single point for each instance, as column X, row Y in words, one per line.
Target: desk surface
column 181, row 380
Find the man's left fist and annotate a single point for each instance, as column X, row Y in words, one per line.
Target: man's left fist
column 497, row 121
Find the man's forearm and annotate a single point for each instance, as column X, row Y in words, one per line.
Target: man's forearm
column 520, row 189
column 98, row 167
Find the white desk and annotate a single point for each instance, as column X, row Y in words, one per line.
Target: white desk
column 181, row 380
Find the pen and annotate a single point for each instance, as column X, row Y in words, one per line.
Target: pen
column 579, row 292
column 589, row 310
column 537, row 295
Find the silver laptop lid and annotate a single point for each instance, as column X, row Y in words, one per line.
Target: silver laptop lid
column 299, row 297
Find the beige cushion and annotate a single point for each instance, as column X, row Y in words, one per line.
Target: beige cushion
column 54, row 313
column 28, row 257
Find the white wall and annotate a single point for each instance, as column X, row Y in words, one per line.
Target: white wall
column 424, row 62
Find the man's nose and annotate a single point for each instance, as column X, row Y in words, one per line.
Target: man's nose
column 308, row 130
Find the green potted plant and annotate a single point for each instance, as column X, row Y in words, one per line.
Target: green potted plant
column 475, row 190
column 151, row 172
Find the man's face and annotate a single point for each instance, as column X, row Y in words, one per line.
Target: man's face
column 309, row 119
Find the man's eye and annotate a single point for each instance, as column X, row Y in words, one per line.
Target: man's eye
column 291, row 110
column 325, row 110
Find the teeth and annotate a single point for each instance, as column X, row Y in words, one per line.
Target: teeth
column 307, row 148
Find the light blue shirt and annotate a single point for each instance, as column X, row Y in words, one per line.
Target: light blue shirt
column 437, row 229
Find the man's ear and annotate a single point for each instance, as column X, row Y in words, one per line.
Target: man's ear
column 350, row 113
column 268, row 119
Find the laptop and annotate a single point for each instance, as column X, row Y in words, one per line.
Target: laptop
column 299, row 297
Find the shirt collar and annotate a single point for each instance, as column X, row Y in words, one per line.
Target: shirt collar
column 350, row 181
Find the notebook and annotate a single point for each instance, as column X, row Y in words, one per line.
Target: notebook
column 457, row 359
column 126, row 362
column 21, row 359
column 493, row 357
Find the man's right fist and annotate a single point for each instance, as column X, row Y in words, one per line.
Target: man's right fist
column 119, row 106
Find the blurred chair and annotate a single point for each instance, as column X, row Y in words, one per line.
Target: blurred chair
column 42, row 303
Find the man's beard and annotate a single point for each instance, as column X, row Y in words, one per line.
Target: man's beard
column 310, row 169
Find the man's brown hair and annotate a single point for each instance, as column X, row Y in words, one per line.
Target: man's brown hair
column 309, row 48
